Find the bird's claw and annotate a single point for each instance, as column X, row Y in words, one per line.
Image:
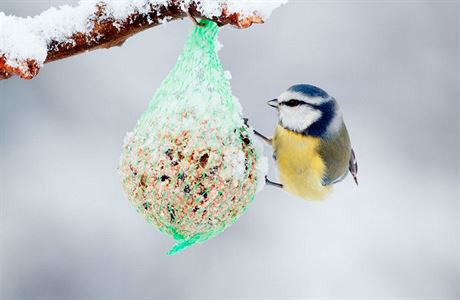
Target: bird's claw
column 276, row 184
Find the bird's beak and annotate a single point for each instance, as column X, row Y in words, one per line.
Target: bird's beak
column 273, row 103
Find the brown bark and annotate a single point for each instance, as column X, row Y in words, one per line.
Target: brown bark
column 106, row 34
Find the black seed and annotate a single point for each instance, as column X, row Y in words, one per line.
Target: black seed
column 174, row 163
column 195, row 209
column 164, row 177
column 204, row 194
column 172, row 213
column 204, row 159
column 245, row 138
column 187, row 189
column 169, row 154
column 214, row 170
column 146, row 205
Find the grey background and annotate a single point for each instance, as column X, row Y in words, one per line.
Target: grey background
column 67, row 231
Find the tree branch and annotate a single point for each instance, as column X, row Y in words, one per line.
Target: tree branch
column 107, row 32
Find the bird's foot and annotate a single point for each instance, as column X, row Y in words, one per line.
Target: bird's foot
column 263, row 137
column 276, row 184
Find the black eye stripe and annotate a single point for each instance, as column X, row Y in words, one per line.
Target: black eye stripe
column 293, row 102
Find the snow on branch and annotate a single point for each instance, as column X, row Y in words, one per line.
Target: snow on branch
column 27, row 43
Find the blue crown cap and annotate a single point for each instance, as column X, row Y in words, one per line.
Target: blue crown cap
column 308, row 90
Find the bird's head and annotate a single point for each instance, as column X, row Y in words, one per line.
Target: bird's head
column 307, row 109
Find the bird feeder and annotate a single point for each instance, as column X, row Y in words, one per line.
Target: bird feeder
column 190, row 166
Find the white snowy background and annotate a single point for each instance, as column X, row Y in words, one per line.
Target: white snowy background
column 67, row 231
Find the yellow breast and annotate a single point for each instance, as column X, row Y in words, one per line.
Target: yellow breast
column 300, row 166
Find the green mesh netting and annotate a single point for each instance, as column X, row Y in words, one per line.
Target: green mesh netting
column 189, row 166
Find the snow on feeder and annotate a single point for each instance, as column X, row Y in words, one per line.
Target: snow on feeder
column 190, row 166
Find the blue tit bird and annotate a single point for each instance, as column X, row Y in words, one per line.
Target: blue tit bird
column 311, row 145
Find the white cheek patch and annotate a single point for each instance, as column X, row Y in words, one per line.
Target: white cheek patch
column 288, row 95
column 336, row 123
column 298, row 118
